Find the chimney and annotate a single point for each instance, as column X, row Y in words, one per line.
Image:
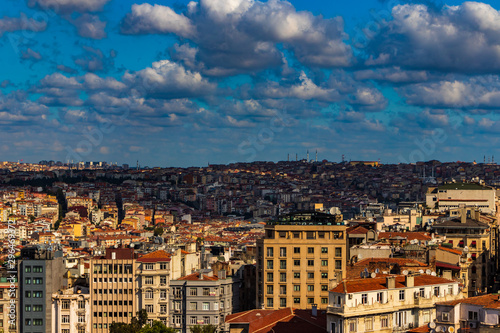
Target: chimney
column 463, row 215
column 409, row 281
column 315, row 310
column 391, row 282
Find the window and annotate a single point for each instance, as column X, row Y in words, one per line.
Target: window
column 37, row 269
column 296, row 262
column 310, row 287
column 269, row 302
column 148, row 294
column 148, row 267
column 400, row 318
column 282, row 234
column 269, row 264
column 282, row 251
column 27, row 281
column 282, row 277
column 324, row 262
column 436, row 291
column 369, row 324
column 296, row 250
column 321, row 234
column 148, row 280
column 310, row 263
column 65, row 319
column 27, row 308
column 422, row 292
column 296, row 300
column 282, row 290
column 384, row 322
column 283, row 302
column 364, row 298
column 270, row 234
column 324, row 250
column 270, row 252
column 338, row 252
column 296, row 287
column 338, row 264
column 310, row 250
column 324, row 300
column 324, row 287
column 149, row 308
column 81, row 319
column 450, row 289
column 296, row 275
column 38, row 308
column 296, row 234
column 282, row 264
column 401, row 295
column 472, row 315
column 426, row 317
column 206, row 306
column 269, row 290
column 324, row 275
column 206, row 291
column 310, row 235
column 445, row 316
column 163, row 265
column 27, row 294
column 27, row 322
column 27, row 269
column 65, row 305
column 352, row 325
column 310, row 275
column 310, row 300
column 193, row 291
column 270, row 277
column 193, row 306
column 193, row 320
column 380, row 297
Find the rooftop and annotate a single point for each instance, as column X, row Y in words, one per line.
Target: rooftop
column 463, row 186
column 308, row 217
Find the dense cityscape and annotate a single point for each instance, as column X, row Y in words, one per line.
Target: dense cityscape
column 355, row 246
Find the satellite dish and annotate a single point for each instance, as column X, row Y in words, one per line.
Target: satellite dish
column 366, row 269
column 405, row 272
column 421, row 271
column 451, row 329
column 433, row 273
column 466, row 249
column 432, row 325
column 373, row 275
column 428, row 271
column 377, row 271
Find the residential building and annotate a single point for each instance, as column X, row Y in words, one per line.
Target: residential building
column 153, row 278
column 201, row 298
column 453, row 195
column 72, row 310
column 7, row 293
column 394, row 303
column 297, row 258
column 40, row 274
column 112, row 288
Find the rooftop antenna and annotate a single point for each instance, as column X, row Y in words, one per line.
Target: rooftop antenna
column 343, row 158
column 308, row 155
column 137, row 165
column 316, row 155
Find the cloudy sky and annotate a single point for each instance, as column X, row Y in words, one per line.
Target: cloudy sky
column 182, row 83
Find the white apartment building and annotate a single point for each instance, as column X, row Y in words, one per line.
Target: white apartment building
column 71, row 309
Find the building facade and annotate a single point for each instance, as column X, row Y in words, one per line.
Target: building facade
column 72, row 310
column 298, row 257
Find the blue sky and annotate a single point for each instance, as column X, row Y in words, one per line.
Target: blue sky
column 186, row 83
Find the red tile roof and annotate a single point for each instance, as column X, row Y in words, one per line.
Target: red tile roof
column 420, row 329
column 408, row 235
column 196, row 277
column 369, row 284
column 455, row 251
column 491, row 301
column 357, row 230
column 155, row 256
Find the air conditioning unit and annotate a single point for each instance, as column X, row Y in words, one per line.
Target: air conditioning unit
column 473, row 325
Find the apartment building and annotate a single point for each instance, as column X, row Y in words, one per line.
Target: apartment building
column 5, row 304
column 450, row 196
column 112, row 288
column 40, row 274
column 395, row 303
column 298, row 257
column 72, row 310
column 153, row 278
column 201, row 298
column 473, row 315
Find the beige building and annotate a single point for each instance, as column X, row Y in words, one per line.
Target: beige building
column 112, row 288
column 452, row 195
column 297, row 258
column 153, row 278
column 395, row 303
column 72, row 310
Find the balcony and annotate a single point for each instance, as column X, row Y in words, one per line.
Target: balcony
column 335, row 309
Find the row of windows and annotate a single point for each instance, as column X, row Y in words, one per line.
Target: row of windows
column 65, row 304
column 65, row 319
column 36, row 269
column 34, row 294
column 112, row 303
column 283, row 289
column 204, row 291
column 113, row 314
column 296, row 300
column 296, row 250
column 205, row 320
column 150, row 266
column 296, row 275
column 35, row 322
column 112, row 291
column 35, row 280
column 308, row 234
column 112, row 269
column 113, row 280
column 35, row 308
column 296, row 262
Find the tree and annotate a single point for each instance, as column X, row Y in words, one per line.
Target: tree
column 135, row 325
column 157, row 327
column 203, row 329
column 158, row 231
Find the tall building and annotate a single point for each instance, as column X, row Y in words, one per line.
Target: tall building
column 41, row 272
column 298, row 257
column 201, row 298
column 153, row 277
column 72, row 310
column 112, row 288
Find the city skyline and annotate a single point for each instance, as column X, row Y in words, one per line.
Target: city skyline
column 179, row 83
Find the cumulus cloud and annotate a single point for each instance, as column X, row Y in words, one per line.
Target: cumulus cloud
column 94, row 60
column 247, row 35
column 69, row 6
column 368, row 99
column 90, row 26
column 17, row 109
column 10, row 24
column 462, row 38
